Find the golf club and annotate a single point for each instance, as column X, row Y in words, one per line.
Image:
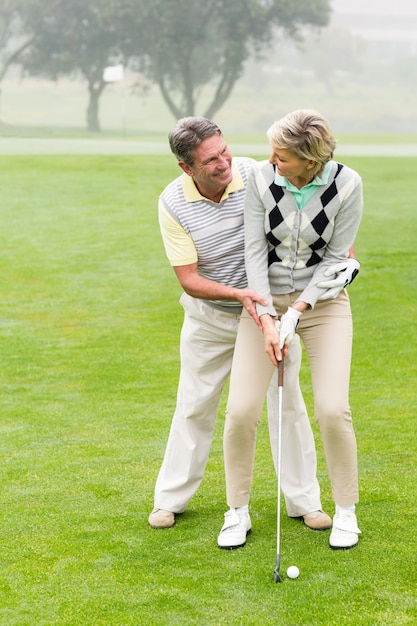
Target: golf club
column 279, row 427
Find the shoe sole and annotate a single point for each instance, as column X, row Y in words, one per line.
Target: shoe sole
column 353, row 545
column 161, row 527
column 241, row 545
column 320, row 528
column 343, row 547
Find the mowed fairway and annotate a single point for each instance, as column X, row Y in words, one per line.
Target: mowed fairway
column 89, row 326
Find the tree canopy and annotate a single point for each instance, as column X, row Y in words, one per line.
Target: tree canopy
column 188, row 45
column 194, row 50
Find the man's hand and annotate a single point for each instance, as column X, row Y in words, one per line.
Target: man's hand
column 248, row 298
column 289, row 323
column 345, row 272
column 198, row 286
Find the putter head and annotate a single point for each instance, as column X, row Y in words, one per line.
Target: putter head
column 277, row 577
column 276, row 570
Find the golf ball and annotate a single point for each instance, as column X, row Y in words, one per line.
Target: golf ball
column 293, row 572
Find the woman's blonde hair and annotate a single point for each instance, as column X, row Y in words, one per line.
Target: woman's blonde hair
column 307, row 134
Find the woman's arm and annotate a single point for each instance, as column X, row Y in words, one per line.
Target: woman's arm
column 346, row 226
column 256, row 245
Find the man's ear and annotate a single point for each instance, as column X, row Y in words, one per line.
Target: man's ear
column 186, row 168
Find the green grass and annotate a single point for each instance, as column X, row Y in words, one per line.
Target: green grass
column 89, row 324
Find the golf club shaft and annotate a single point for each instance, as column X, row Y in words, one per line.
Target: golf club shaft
column 279, row 447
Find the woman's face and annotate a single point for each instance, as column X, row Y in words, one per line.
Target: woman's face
column 290, row 165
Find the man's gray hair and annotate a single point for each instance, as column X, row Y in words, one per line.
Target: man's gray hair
column 188, row 134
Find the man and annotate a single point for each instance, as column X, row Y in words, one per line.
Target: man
column 201, row 219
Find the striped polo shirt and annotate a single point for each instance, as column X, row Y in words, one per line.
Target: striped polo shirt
column 197, row 230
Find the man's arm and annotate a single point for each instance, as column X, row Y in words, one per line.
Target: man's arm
column 199, row 287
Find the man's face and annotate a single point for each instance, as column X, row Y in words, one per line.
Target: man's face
column 212, row 167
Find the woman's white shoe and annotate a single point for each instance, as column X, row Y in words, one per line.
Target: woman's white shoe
column 345, row 531
column 234, row 531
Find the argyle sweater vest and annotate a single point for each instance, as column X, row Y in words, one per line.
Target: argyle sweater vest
column 288, row 249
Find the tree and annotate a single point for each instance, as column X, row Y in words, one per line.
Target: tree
column 19, row 23
column 80, row 38
column 186, row 45
column 183, row 46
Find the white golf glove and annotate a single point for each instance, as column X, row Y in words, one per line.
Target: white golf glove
column 345, row 272
column 287, row 328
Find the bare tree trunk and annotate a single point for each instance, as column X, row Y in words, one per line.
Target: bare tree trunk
column 95, row 90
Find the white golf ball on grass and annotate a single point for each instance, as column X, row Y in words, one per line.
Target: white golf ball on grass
column 293, row 571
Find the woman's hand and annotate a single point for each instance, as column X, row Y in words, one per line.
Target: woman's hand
column 289, row 323
column 343, row 274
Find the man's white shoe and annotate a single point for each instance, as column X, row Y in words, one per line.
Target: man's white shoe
column 234, row 531
column 345, row 531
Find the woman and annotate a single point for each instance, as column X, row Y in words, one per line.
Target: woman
column 302, row 213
